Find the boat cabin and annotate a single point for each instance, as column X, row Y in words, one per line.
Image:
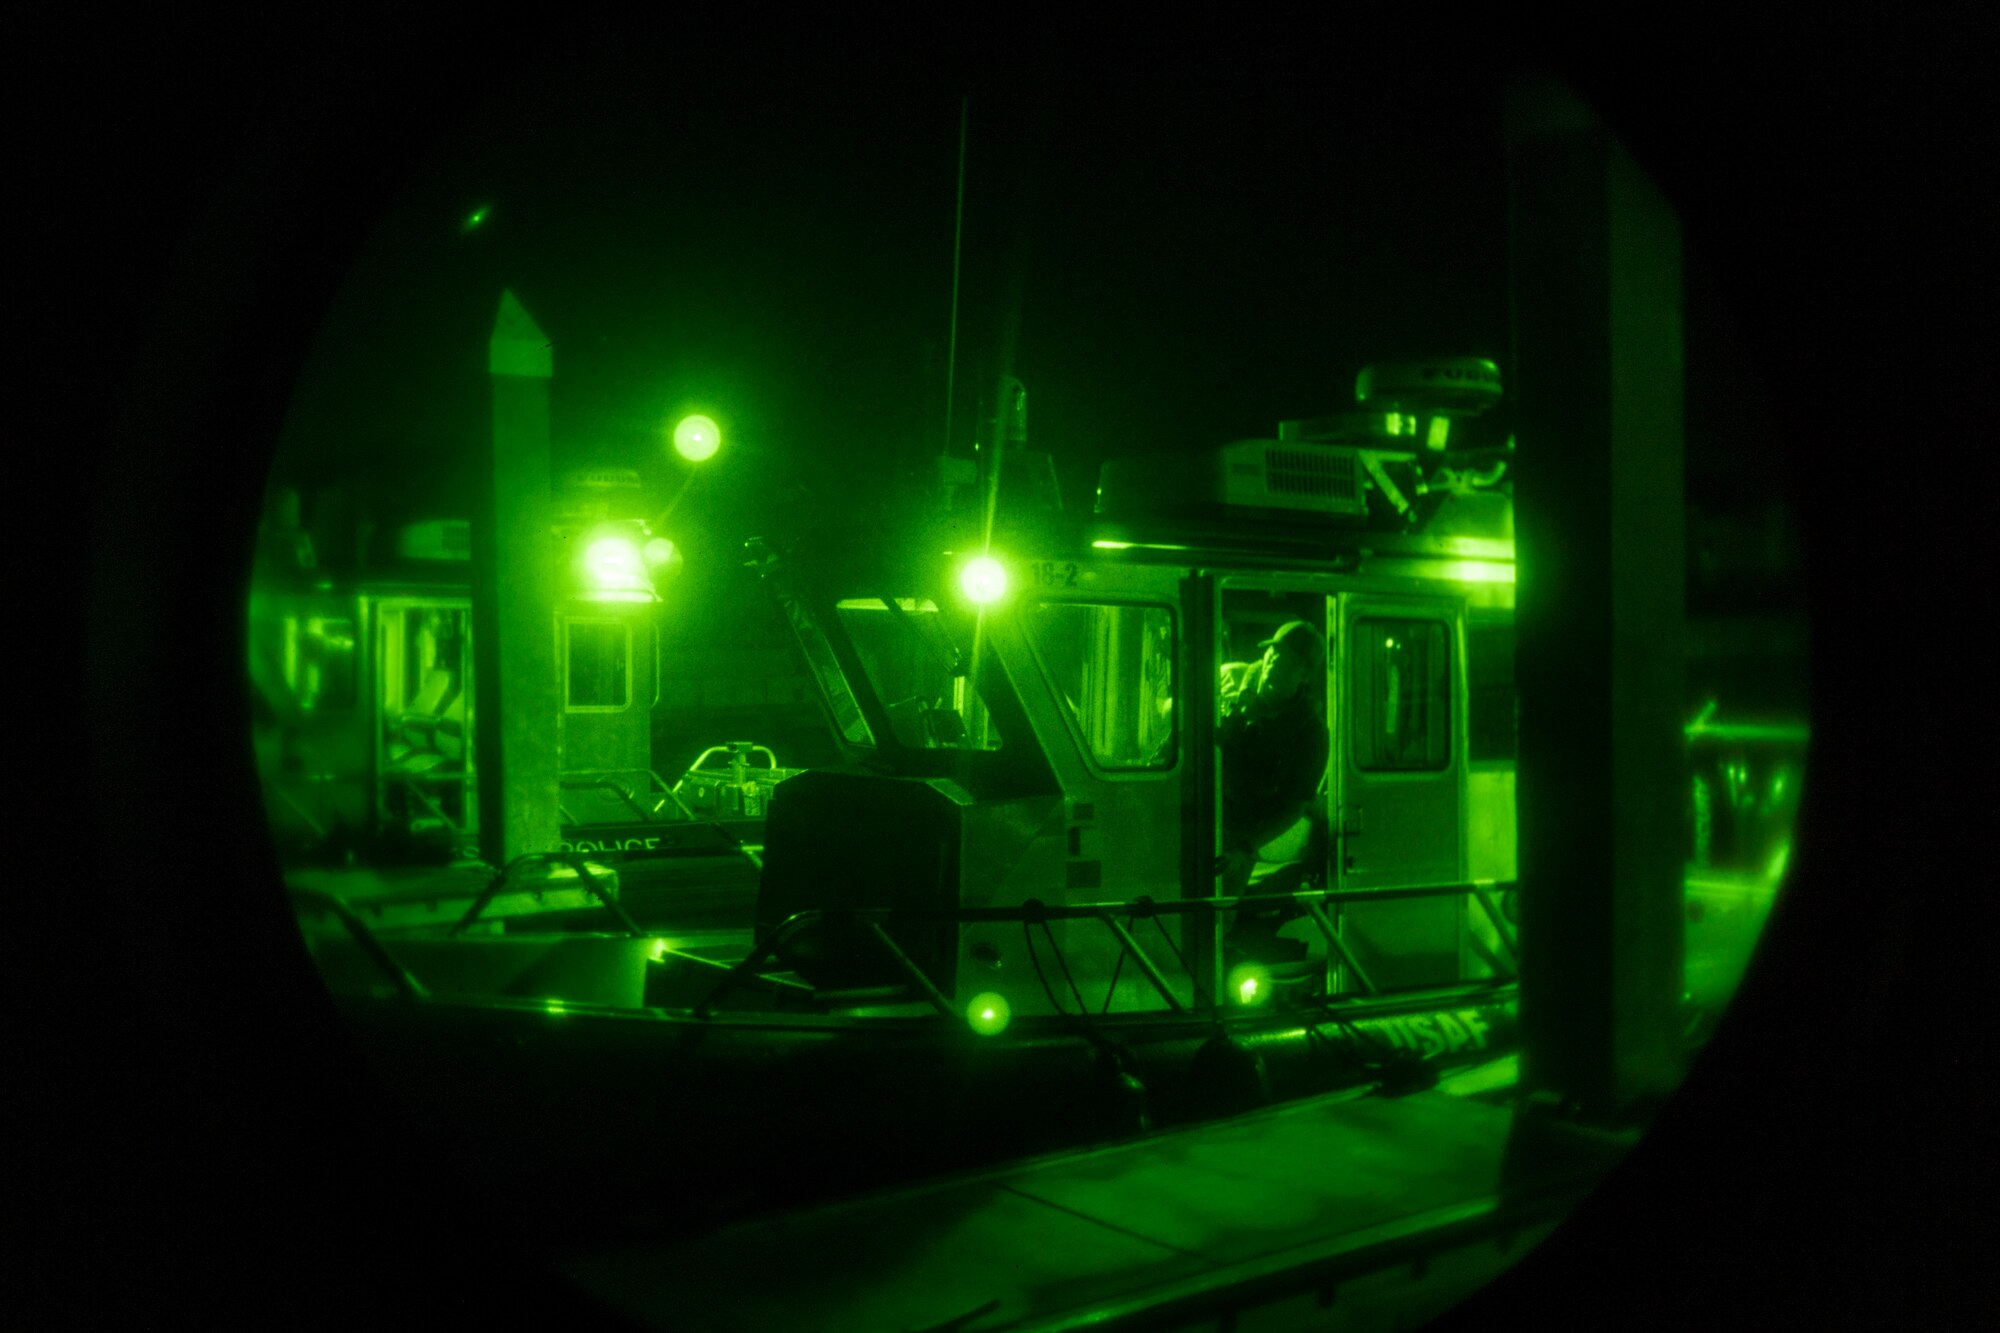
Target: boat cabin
column 1033, row 721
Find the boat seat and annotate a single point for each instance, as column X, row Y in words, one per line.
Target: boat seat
column 1289, row 860
column 1288, row 846
column 431, row 729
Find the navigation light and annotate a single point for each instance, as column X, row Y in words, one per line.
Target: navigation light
column 1250, row 985
column 984, row 580
column 696, row 438
column 988, row 1013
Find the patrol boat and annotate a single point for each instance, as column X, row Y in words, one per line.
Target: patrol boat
column 996, row 927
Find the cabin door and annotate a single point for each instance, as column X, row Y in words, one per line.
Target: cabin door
column 1397, row 797
column 1398, row 714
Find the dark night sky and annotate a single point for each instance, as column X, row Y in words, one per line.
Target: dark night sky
column 1184, row 264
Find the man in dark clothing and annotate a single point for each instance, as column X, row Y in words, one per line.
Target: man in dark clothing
column 1273, row 741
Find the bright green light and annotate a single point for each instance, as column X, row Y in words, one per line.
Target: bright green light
column 475, row 217
column 613, row 562
column 1440, row 431
column 1112, row 546
column 1478, row 571
column 659, row 551
column 1250, row 984
column 1752, row 731
column 988, row 1013
column 696, row 438
column 983, row 579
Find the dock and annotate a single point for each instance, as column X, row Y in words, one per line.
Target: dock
column 1344, row 1211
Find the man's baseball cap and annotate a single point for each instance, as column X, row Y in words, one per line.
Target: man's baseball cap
column 1296, row 636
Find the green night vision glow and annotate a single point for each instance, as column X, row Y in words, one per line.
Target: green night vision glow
column 612, row 562
column 988, row 1014
column 1250, row 984
column 696, row 438
column 984, row 580
column 476, row 217
column 659, row 551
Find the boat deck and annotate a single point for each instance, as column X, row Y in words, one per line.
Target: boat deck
column 1345, row 1205
column 696, row 892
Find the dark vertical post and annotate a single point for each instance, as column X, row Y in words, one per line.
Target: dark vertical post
column 513, row 601
column 1201, row 933
column 1596, row 290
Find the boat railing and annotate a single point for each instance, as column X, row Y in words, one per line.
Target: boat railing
column 603, row 780
column 1035, row 912
column 575, row 861
column 1030, row 913
column 401, row 977
column 413, row 784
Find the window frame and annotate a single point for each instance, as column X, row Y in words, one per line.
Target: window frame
column 1073, row 723
column 1361, row 675
column 568, row 686
column 1476, row 622
column 912, row 606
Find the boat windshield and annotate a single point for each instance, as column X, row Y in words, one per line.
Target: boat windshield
column 918, row 661
column 847, row 715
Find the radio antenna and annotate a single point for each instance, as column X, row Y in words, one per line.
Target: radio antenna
column 957, row 237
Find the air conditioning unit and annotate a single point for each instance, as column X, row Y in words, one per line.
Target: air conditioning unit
column 1292, row 474
column 436, row 539
column 1299, row 477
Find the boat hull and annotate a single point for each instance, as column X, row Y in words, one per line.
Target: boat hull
column 620, row 1113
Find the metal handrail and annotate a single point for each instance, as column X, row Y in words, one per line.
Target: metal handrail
column 410, row 780
column 672, row 795
column 575, row 861
column 645, row 816
column 735, row 842
column 274, row 789
column 652, row 816
column 1143, row 907
column 1102, row 913
column 404, row 980
column 1484, row 895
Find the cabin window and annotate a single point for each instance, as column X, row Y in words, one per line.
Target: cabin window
column 1401, row 671
column 424, row 661
column 424, row 657
column 597, row 660
column 1114, row 668
column 1492, row 709
column 918, row 661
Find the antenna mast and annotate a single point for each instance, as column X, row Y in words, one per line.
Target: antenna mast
column 957, row 236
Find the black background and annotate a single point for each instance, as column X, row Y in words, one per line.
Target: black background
column 203, row 1145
